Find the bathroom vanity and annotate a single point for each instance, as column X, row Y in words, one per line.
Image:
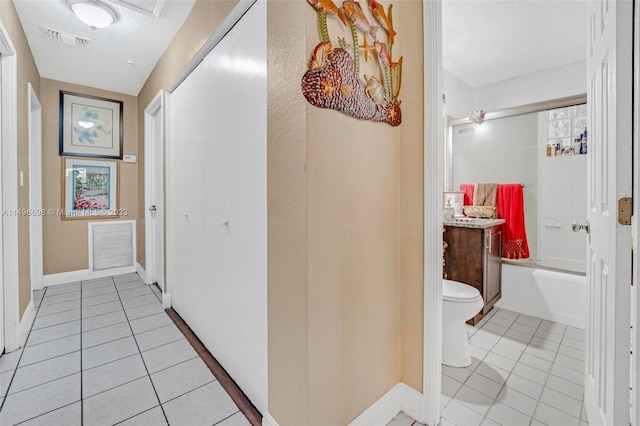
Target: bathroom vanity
column 473, row 256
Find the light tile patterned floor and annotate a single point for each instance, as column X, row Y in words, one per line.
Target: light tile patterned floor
column 104, row 352
column 525, row 371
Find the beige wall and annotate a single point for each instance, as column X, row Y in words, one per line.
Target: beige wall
column 205, row 17
column 27, row 73
column 287, row 222
column 410, row 45
column 349, row 245
column 65, row 241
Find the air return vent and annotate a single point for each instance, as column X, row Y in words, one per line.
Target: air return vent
column 148, row 7
column 112, row 245
column 65, row 38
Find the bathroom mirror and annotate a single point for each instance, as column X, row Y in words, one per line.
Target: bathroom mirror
column 510, row 146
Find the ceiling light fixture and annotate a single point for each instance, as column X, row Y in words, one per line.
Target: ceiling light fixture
column 94, row 13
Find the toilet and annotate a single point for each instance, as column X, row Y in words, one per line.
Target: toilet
column 460, row 302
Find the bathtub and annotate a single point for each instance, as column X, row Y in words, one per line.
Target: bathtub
column 544, row 293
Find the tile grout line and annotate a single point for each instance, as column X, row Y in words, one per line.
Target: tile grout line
column 141, row 357
column 545, row 386
column 145, row 411
column 44, row 383
column 15, row 370
column 504, row 383
column 50, row 411
column 239, row 411
column 535, row 409
column 191, row 390
column 547, row 373
column 121, row 384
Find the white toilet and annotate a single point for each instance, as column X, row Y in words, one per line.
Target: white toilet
column 460, row 302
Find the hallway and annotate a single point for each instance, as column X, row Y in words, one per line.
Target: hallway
column 104, row 352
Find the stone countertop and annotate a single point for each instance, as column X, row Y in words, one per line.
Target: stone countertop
column 468, row 222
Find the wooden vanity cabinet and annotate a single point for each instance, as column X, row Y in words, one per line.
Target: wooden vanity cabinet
column 474, row 257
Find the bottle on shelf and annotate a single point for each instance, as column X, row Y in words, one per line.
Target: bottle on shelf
column 583, row 142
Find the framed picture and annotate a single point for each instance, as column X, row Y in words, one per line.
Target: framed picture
column 90, row 188
column 90, row 126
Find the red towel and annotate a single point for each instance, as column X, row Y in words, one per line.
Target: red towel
column 511, row 208
column 468, row 189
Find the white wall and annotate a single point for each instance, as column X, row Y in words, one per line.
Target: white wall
column 216, row 205
column 562, row 200
column 567, row 80
column 459, row 97
column 554, row 83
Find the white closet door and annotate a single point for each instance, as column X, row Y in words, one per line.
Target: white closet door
column 218, row 268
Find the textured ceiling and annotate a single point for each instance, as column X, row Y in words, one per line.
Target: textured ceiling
column 486, row 41
column 103, row 63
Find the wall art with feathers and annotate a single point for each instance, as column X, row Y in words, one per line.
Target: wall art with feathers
column 333, row 79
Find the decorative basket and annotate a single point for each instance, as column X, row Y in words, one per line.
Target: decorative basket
column 486, row 212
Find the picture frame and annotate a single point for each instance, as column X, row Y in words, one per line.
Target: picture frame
column 90, row 126
column 90, row 188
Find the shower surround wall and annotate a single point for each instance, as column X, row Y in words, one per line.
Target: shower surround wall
column 562, row 195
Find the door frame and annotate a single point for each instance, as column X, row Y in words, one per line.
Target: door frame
column 154, row 111
column 433, row 205
column 9, row 190
column 35, row 188
column 635, row 235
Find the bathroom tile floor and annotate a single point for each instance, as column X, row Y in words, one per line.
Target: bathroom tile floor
column 525, row 371
column 104, row 352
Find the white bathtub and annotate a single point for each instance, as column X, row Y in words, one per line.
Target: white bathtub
column 548, row 294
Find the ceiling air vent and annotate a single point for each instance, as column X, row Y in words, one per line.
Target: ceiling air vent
column 148, row 7
column 65, row 38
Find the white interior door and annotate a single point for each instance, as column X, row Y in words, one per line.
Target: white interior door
column 2, row 298
column 154, row 191
column 35, row 189
column 609, row 80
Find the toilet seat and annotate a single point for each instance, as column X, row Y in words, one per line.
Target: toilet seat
column 453, row 291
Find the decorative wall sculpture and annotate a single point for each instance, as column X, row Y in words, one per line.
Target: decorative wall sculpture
column 333, row 79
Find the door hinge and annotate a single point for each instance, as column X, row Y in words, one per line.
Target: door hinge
column 625, row 208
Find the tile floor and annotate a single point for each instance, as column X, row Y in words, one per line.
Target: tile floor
column 525, row 371
column 104, row 352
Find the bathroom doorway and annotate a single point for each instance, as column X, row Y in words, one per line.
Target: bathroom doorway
column 486, row 77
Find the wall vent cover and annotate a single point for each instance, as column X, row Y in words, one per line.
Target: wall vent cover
column 65, row 38
column 112, row 245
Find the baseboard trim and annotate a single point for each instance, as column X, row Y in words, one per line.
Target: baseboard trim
column 166, row 300
column 229, row 385
column 399, row 398
column 143, row 274
column 24, row 327
column 412, row 402
column 268, row 420
column 84, row 275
